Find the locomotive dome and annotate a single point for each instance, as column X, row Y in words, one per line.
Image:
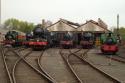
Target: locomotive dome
column 38, row 29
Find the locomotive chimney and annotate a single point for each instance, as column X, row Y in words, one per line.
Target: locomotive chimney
column 43, row 23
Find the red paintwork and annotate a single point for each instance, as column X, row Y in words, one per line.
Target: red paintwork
column 109, row 48
column 31, row 43
column 25, row 43
column 38, row 43
column 7, row 42
column 86, row 42
column 21, row 36
column 66, row 42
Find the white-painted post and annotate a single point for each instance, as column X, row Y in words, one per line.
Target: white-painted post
column 110, row 60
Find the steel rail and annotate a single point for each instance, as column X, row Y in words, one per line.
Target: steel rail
column 67, row 60
column 69, row 65
column 97, row 69
column 35, row 69
column 15, row 65
column 5, row 64
column 116, row 59
column 42, row 69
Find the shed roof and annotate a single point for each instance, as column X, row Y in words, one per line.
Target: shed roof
column 92, row 26
column 61, row 26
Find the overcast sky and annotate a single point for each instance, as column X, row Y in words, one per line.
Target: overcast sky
column 73, row 10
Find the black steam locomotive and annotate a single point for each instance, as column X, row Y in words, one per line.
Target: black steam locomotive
column 87, row 40
column 40, row 38
column 67, row 40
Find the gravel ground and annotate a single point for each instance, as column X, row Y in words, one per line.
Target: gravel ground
column 114, row 68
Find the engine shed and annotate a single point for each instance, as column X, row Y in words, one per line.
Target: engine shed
column 58, row 29
column 97, row 28
column 63, row 26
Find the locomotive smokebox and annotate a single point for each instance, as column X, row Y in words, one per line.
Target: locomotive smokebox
column 38, row 31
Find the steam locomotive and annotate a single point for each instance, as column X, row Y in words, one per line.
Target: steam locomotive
column 109, row 44
column 67, row 41
column 40, row 38
column 14, row 38
column 87, row 40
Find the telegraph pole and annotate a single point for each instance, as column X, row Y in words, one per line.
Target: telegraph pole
column 117, row 23
column 118, row 34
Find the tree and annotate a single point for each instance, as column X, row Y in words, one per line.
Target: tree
column 15, row 24
column 11, row 23
column 121, row 32
column 26, row 27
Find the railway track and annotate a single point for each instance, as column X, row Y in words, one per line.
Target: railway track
column 35, row 66
column 6, row 65
column 66, row 59
column 116, row 58
column 83, row 70
column 12, row 74
column 15, row 65
column 75, row 60
column 55, row 66
column 42, row 69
